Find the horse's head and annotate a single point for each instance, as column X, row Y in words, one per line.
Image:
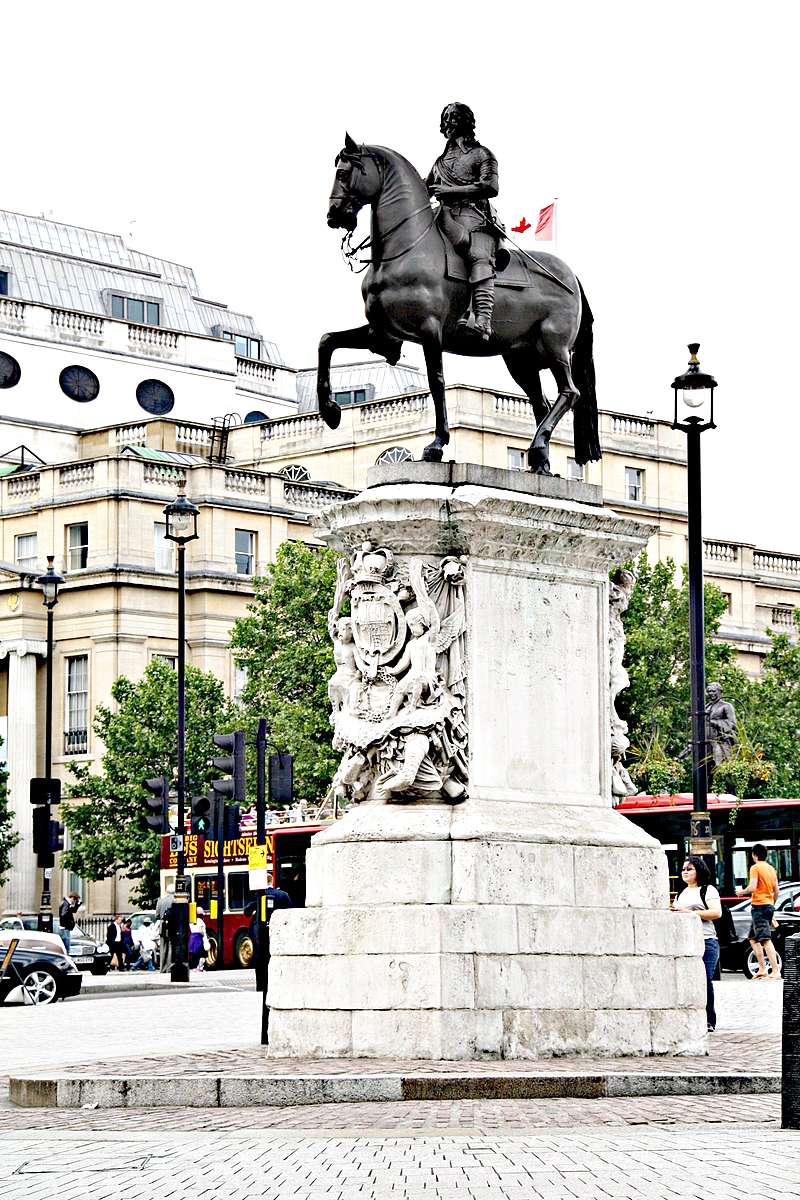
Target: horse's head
column 356, row 183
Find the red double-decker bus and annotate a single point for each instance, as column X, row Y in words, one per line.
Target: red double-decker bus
column 286, row 868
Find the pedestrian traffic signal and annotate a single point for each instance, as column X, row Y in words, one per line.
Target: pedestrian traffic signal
column 56, row 836
column 231, row 764
column 231, row 822
column 41, row 833
column 156, row 818
column 201, row 815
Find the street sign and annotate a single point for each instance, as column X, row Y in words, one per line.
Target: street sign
column 176, row 843
column 183, row 887
column 257, row 857
column 258, row 879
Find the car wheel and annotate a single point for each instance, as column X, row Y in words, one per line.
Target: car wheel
column 211, row 953
column 750, row 965
column 40, row 986
column 244, row 952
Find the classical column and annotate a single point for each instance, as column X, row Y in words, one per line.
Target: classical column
column 19, row 893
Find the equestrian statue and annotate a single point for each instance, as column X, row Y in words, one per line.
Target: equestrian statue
column 443, row 278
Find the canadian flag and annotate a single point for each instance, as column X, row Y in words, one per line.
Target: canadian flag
column 544, row 226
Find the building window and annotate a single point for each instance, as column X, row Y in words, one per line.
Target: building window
column 155, row 397
column 77, row 546
column 79, row 383
column 516, row 459
column 163, row 551
column 3, row 283
column 244, row 347
column 395, row 454
column 76, row 734
column 25, row 551
column 574, row 469
column 10, row 372
column 296, row 473
column 170, row 659
column 239, row 681
column 139, row 312
column 245, row 552
column 355, row 395
column 634, row 484
column 727, row 597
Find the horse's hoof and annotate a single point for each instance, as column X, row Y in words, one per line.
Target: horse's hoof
column 330, row 412
column 539, row 460
column 432, row 453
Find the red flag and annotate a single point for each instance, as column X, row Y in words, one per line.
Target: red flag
column 523, row 225
column 544, row 226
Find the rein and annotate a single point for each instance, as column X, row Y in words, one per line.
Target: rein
column 349, row 251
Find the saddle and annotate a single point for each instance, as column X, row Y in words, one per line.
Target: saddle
column 513, row 269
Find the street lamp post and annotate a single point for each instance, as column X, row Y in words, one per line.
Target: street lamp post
column 50, row 583
column 181, row 517
column 694, row 391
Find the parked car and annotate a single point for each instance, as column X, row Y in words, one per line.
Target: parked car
column 38, row 971
column 137, row 919
column 84, row 951
column 740, row 956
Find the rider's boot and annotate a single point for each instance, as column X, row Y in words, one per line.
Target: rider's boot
column 483, row 306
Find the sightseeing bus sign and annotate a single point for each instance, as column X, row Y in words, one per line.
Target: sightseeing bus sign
column 202, row 852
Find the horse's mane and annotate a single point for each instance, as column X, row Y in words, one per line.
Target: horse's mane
column 396, row 162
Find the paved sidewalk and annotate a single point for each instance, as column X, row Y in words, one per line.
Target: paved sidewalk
column 637, row 1164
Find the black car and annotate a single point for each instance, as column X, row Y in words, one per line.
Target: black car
column 739, row 955
column 34, row 971
column 84, row 951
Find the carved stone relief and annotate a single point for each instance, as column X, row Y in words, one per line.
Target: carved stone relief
column 620, row 589
column 398, row 695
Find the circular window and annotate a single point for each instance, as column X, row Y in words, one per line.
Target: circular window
column 296, row 473
column 79, row 383
column 10, row 372
column 395, row 454
column 155, row 397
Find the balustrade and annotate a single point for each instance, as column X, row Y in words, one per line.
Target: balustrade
column 193, row 435
column 246, row 481
column 151, row 335
column 62, row 318
column 253, row 369
column 24, row 485
column 75, row 475
column 783, row 618
column 726, row 552
column 780, row 564
column 390, row 410
column 11, row 310
column 633, row 426
column 513, row 406
column 291, row 427
column 130, row 435
column 155, row 472
column 307, row 496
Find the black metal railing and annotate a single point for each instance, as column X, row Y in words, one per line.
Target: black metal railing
column 76, row 741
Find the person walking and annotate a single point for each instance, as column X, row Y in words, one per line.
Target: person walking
column 129, row 948
column 763, row 890
column 701, row 897
column 163, row 912
column 66, row 917
column 115, row 944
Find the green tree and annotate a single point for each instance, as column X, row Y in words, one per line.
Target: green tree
column 657, row 705
column 8, row 834
column 140, row 737
column 769, row 707
column 284, row 646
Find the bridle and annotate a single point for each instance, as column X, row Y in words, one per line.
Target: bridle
column 349, row 251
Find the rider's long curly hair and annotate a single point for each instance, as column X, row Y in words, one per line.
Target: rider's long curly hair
column 466, row 117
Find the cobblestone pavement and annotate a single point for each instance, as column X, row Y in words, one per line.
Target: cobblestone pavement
column 70, row 1039
column 415, row 1117
column 691, row 1163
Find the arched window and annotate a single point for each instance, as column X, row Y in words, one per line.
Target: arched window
column 296, row 473
column 395, row 454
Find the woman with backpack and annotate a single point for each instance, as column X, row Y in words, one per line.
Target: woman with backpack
column 701, row 897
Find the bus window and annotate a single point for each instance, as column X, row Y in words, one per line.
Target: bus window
column 205, row 890
column 239, row 894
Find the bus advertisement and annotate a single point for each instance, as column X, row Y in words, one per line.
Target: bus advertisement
column 286, row 869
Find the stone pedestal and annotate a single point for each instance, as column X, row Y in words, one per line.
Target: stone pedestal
column 531, row 918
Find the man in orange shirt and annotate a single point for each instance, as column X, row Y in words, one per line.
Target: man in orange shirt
column 763, row 888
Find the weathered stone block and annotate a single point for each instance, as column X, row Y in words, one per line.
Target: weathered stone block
column 366, row 981
column 690, row 980
column 626, row 877
column 512, row 873
column 546, row 1032
column 527, row 981
column 544, row 930
column 357, row 873
column 310, row 1033
column 479, row 928
column 668, row 933
column 679, row 1031
column 628, row 981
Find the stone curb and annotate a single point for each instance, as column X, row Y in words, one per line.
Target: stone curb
column 283, row 1091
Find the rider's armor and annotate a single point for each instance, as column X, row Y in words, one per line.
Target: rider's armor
column 470, row 223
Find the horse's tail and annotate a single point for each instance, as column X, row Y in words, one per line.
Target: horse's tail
column 587, row 437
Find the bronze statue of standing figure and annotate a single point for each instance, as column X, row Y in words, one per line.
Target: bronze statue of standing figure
column 424, row 268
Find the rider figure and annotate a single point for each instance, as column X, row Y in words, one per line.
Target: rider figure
column 464, row 179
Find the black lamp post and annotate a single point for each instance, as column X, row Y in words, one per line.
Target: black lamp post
column 50, row 582
column 181, row 528
column 694, row 413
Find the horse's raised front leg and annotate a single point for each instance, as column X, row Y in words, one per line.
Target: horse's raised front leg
column 351, row 339
column 431, row 338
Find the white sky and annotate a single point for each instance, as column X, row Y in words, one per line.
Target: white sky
column 668, row 131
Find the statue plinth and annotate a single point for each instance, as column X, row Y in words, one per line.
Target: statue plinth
column 493, row 903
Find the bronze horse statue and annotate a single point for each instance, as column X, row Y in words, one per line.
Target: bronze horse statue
column 408, row 296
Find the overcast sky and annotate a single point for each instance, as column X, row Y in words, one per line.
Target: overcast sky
column 207, row 134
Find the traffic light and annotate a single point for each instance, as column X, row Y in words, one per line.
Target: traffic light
column 281, row 780
column 156, row 819
column 56, row 836
column 231, row 822
column 45, row 791
column 231, row 764
column 41, row 832
column 201, row 815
